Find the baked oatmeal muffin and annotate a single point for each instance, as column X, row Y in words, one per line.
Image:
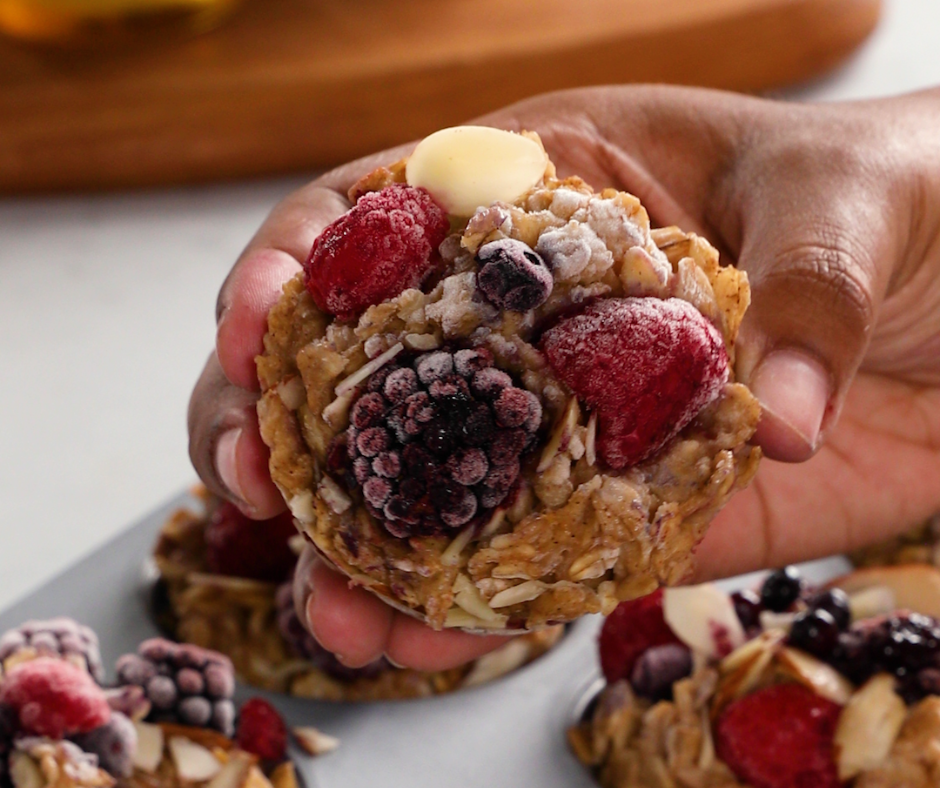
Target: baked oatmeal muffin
column 920, row 545
column 498, row 399
column 225, row 584
column 169, row 720
column 777, row 688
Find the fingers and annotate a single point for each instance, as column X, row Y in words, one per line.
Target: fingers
column 359, row 628
column 225, row 444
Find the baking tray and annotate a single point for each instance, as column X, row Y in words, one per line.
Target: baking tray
column 508, row 733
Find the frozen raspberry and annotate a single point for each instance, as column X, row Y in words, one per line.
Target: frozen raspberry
column 435, row 441
column 647, row 366
column 780, row 737
column 385, row 244
column 513, row 276
column 633, row 627
column 184, row 683
column 57, row 637
column 261, row 730
column 305, row 645
column 114, row 743
column 54, row 698
column 241, row 547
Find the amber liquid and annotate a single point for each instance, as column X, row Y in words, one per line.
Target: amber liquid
column 100, row 21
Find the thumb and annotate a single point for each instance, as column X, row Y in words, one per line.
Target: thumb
column 808, row 327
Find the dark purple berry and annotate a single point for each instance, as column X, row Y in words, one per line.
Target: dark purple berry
column 183, row 683
column 781, row 589
column 114, row 743
column 512, row 275
column 748, row 607
column 835, row 602
column 658, row 668
column 815, row 632
column 437, row 444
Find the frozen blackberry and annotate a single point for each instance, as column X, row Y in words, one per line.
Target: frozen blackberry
column 513, row 276
column 781, row 589
column 814, row 631
column 305, row 645
column 905, row 644
column 57, row 637
column 435, row 441
column 835, row 602
column 184, row 683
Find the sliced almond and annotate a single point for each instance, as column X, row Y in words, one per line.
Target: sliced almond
column 703, row 617
column 514, row 595
column 498, row 663
column 560, row 434
column 916, row 587
column 149, row 750
column 750, row 650
column 348, row 384
column 868, row 726
column 314, row 741
column 451, row 554
column 234, row 773
column 334, row 495
column 467, row 596
column 871, row 602
column 193, row 762
column 25, row 772
column 284, row 775
column 823, row 679
column 467, row 167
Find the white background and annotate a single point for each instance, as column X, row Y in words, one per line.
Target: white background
column 107, row 315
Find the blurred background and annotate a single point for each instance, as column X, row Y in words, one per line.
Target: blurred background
column 143, row 141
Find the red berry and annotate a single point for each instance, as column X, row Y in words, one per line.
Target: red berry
column 241, row 547
column 646, row 365
column 630, row 630
column 780, row 737
column 261, row 730
column 54, row 698
column 385, row 244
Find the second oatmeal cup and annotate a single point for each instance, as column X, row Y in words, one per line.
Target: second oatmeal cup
column 497, row 398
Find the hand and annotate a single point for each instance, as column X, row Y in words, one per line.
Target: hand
column 832, row 211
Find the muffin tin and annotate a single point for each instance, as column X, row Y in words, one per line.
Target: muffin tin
column 510, row 732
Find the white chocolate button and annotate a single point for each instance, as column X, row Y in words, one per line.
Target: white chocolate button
column 466, row 167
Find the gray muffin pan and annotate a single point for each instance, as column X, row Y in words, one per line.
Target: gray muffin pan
column 508, row 733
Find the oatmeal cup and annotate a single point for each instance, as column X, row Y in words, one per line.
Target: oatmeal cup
column 498, row 399
column 225, row 584
column 783, row 686
column 167, row 720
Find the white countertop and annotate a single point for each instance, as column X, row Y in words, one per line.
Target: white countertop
column 106, row 314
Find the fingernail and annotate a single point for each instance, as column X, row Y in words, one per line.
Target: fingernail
column 226, row 462
column 393, row 663
column 793, row 388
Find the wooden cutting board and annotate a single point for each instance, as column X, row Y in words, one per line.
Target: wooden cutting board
column 291, row 85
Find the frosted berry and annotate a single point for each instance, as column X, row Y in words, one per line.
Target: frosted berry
column 305, row 645
column 658, row 668
column 54, row 698
column 385, row 244
column 904, row 644
column 114, row 743
column 183, row 683
column 261, row 730
column 780, row 737
column 632, row 628
column 512, row 276
column 781, row 589
column 814, row 631
column 646, row 366
column 435, row 441
column 57, row 637
column 238, row 546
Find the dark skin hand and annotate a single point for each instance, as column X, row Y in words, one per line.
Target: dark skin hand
column 833, row 211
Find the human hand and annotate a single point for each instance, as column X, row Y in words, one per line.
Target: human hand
column 830, row 209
